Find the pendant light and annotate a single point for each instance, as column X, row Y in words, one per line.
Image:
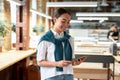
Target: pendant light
column 104, row 3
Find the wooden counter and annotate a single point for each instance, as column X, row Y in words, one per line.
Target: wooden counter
column 11, row 57
column 14, row 64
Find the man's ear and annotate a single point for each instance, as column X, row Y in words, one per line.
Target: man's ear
column 54, row 19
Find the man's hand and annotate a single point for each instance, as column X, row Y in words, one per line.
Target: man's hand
column 63, row 63
column 79, row 61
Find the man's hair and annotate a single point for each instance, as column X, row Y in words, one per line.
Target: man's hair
column 59, row 12
column 113, row 25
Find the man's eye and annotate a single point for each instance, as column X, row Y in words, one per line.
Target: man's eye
column 63, row 21
column 68, row 22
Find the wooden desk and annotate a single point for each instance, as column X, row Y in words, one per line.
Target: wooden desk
column 94, row 46
column 98, row 58
column 13, row 64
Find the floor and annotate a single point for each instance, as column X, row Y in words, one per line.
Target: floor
column 99, row 65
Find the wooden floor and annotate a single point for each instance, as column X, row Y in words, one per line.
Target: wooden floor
column 117, row 77
column 100, row 65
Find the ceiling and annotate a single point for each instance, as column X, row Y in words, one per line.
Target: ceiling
column 112, row 7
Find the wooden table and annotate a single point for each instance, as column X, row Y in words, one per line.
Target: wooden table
column 98, row 58
column 13, row 64
column 97, row 53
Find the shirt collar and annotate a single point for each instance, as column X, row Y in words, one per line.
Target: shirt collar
column 58, row 35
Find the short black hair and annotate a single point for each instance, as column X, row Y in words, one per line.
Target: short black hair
column 59, row 12
column 113, row 25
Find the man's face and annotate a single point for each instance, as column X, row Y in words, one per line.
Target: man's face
column 62, row 22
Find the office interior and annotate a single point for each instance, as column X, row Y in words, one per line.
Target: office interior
column 23, row 22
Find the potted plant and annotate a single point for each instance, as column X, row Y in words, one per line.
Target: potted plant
column 39, row 29
column 3, row 32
